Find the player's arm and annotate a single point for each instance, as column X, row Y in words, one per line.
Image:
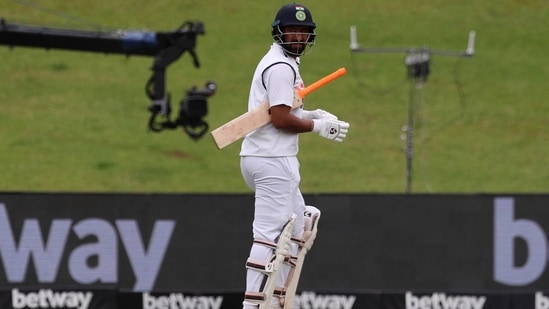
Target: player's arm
column 280, row 92
column 328, row 127
column 279, row 80
column 282, row 119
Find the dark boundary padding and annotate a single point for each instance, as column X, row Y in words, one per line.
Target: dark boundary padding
column 199, row 242
column 110, row 299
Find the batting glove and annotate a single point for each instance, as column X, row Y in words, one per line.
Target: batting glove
column 331, row 128
column 317, row 114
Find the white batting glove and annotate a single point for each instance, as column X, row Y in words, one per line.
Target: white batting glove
column 317, row 114
column 331, row 128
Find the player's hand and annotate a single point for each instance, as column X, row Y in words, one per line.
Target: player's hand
column 331, row 128
column 317, row 114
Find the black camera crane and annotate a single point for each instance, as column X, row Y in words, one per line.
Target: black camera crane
column 165, row 47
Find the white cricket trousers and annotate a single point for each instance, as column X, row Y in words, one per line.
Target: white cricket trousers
column 275, row 181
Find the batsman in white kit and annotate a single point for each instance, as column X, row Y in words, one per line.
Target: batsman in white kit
column 284, row 228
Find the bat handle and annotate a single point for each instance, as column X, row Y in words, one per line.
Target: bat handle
column 321, row 82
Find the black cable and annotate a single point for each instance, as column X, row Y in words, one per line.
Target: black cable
column 35, row 5
column 380, row 92
column 461, row 98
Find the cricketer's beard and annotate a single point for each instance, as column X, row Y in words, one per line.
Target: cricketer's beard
column 295, row 48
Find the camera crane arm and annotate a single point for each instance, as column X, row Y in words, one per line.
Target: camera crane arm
column 165, row 47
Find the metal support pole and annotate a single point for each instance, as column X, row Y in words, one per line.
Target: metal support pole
column 417, row 61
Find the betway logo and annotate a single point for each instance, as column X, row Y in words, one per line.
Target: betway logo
column 180, row 301
column 47, row 253
column 50, row 299
column 443, row 301
column 506, row 230
column 310, row 300
column 542, row 301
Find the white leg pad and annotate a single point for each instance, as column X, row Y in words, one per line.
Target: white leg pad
column 312, row 215
column 271, row 269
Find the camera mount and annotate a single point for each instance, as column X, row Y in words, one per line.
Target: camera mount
column 165, row 47
column 417, row 61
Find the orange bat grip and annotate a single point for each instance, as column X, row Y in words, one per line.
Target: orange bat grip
column 321, row 82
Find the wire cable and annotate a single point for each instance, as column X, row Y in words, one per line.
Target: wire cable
column 380, row 92
column 37, row 6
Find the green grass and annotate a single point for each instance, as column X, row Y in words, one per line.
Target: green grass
column 76, row 121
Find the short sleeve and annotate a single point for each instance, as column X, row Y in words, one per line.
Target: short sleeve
column 279, row 81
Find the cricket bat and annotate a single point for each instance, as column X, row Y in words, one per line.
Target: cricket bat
column 258, row 117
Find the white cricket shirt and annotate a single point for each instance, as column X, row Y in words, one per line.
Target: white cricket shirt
column 275, row 79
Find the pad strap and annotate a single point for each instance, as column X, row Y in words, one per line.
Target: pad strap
column 272, row 268
column 268, row 244
column 254, row 297
column 305, row 245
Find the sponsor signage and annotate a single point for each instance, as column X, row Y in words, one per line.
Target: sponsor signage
column 149, row 243
column 126, row 242
column 101, row 299
column 510, row 231
column 50, row 298
column 46, row 298
column 47, row 251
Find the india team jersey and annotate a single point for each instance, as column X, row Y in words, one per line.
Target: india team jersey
column 275, row 80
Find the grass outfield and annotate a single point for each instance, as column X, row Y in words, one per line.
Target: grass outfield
column 76, row 121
